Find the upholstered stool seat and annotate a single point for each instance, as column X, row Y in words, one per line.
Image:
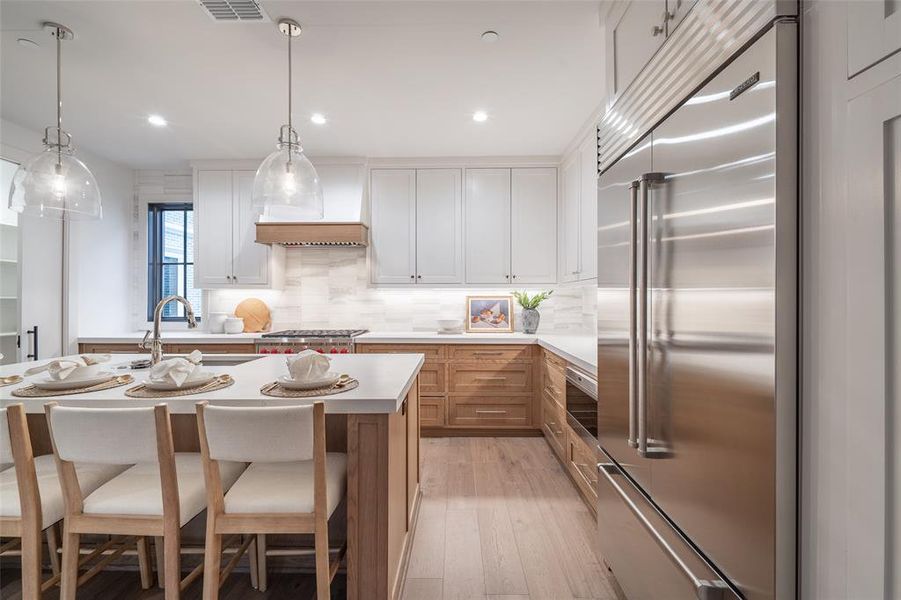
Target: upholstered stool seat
column 285, row 487
column 53, row 508
column 138, row 491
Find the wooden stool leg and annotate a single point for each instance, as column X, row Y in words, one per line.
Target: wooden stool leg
column 254, row 562
column 69, row 579
column 160, row 563
column 172, row 560
column 144, row 562
column 323, row 578
column 53, row 547
column 32, row 549
column 261, row 561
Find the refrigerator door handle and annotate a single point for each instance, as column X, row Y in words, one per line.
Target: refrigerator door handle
column 644, row 183
column 633, row 313
column 705, row 589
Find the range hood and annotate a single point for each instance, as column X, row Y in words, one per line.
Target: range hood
column 344, row 222
column 312, row 233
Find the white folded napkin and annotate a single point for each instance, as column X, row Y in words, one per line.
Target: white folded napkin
column 176, row 370
column 308, row 365
column 60, row 368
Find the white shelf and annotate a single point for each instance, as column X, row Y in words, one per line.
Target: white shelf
column 8, row 333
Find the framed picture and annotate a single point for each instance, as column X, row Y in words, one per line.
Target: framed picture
column 489, row 314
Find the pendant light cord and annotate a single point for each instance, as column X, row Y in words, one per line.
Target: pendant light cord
column 290, row 127
column 59, row 98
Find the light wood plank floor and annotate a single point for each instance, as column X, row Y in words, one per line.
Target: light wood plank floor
column 501, row 520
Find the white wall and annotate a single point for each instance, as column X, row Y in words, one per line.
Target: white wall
column 99, row 251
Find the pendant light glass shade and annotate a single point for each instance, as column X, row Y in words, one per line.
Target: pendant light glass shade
column 287, row 179
column 55, row 184
column 286, row 184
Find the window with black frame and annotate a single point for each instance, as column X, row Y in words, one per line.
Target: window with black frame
column 170, row 259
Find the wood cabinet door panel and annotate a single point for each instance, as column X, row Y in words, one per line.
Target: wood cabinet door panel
column 431, row 411
column 503, row 411
column 551, row 425
column 508, row 378
column 432, row 353
column 432, row 380
column 582, row 466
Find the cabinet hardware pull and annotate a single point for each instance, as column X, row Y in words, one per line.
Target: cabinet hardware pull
column 657, row 30
column 491, row 412
column 419, row 277
column 412, row 276
column 486, row 353
column 490, row 378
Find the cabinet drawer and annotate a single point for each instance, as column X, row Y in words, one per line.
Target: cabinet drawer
column 552, row 360
column 551, row 424
column 432, row 352
column 582, row 465
column 509, row 378
column 431, row 412
column 482, row 353
column 480, row 411
column 554, row 385
column 432, row 380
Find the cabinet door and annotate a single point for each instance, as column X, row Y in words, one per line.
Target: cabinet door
column 393, row 233
column 874, row 32
column 250, row 260
column 439, row 226
column 588, row 208
column 534, row 225
column 213, row 229
column 677, row 10
column 487, row 225
column 635, row 30
column 570, row 233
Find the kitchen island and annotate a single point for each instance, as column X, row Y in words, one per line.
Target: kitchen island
column 376, row 424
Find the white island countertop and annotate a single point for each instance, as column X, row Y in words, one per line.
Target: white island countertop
column 581, row 351
column 384, row 380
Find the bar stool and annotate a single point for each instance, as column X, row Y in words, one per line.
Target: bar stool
column 155, row 497
column 291, row 486
column 31, row 499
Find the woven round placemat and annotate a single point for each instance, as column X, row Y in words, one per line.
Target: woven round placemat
column 140, row 391
column 276, row 391
column 30, row 391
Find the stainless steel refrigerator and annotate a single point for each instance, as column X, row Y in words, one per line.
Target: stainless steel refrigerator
column 697, row 340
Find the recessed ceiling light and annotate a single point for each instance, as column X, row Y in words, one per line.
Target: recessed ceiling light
column 489, row 37
column 480, row 116
column 318, row 118
column 156, row 121
column 26, row 43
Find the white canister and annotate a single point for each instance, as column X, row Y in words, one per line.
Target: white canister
column 234, row 325
column 217, row 322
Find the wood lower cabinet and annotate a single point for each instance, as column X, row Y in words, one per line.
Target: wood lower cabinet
column 552, row 420
column 581, row 462
column 478, row 387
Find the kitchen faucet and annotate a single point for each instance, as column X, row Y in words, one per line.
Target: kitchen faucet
column 156, row 344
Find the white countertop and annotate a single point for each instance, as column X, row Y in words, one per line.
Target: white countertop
column 384, row 380
column 173, row 337
column 581, row 351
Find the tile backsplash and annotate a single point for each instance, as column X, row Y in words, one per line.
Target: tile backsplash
column 329, row 288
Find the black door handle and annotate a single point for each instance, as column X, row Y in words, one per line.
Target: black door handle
column 33, row 331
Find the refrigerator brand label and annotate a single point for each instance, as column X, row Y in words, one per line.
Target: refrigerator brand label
column 742, row 87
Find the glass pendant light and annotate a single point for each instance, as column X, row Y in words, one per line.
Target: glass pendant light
column 287, row 182
column 55, row 183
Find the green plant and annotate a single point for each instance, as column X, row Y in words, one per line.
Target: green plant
column 527, row 301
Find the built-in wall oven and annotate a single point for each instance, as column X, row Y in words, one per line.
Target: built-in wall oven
column 582, row 405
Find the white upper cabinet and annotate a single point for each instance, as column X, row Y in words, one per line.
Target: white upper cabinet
column 534, row 225
column 588, row 208
column 213, row 216
column 393, row 232
column 226, row 253
column 571, row 214
column 635, row 31
column 487, row 225
column 439, row 226
column 677, row 9
column 874, row 32
column 250, row 261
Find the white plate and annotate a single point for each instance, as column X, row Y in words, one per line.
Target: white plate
column 73, row 384
column 330, row 379
column 193, row 381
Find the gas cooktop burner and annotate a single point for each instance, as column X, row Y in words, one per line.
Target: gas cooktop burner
column 315, row 333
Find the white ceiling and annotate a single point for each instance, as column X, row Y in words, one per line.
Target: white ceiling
column 393, row 78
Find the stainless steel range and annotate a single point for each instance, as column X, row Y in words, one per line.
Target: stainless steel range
column 324, row 341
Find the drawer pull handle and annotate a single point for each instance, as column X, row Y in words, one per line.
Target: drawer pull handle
column 490, row 378
column 554, row 391
column 485, row 353
column 491, row 412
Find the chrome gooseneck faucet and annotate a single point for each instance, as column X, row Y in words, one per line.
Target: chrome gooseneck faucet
column 155, row 344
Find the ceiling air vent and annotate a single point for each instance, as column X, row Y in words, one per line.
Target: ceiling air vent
column 235, row 11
